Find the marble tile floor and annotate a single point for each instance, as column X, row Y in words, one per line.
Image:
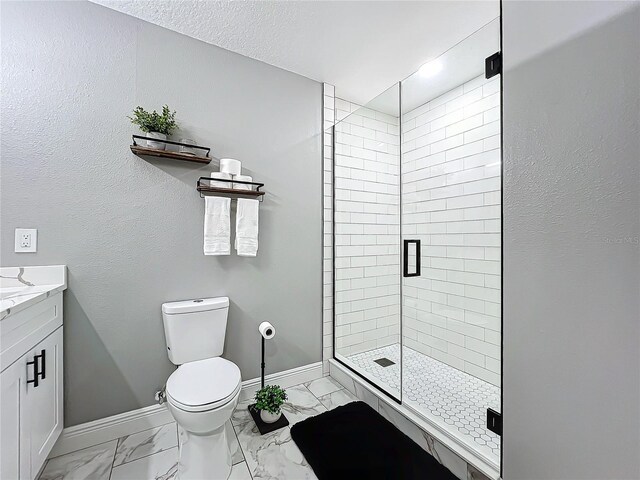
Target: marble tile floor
column 153, row 454
column 451, row 398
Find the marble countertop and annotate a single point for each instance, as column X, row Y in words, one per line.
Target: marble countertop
column 21, row 287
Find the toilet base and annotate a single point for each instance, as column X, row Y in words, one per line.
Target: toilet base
column 204, row 456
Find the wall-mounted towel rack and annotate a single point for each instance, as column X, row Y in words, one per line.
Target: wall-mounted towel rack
column 205, row 188
column 155, row 152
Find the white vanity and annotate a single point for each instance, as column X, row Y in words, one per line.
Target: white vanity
column 31, row 365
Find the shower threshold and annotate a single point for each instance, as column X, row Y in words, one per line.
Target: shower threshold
column 446, row 396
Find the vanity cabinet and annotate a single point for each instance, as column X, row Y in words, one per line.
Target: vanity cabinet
column 12, row 405
column 44, row 402
column 31, row 388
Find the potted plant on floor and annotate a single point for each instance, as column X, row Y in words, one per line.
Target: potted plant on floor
column 269, row 401
column 155, row 125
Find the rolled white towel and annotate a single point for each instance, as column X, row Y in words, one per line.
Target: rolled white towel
column 247, row 227
column 242, row 186
column 217, row 229
column 221, row 175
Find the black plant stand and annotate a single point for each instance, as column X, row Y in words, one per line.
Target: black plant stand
column 264, row 427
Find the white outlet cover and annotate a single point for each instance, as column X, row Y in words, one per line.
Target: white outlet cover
column 33, row 234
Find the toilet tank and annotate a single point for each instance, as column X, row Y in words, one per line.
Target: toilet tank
column 195, row 329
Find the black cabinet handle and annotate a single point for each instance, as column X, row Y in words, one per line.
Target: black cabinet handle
column 406, row 272
column 43, row 363
column 36, row 372
column 39, row 361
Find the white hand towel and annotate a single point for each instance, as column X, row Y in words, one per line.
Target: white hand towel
column 247, row 227
column 217, row 229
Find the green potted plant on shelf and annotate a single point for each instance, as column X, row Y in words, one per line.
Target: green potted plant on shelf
column 155, row 125
column 269, row 401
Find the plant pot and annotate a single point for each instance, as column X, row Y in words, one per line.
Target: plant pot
column 268, row 417
column 156, row 145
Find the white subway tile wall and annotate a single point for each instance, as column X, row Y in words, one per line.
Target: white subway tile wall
column 451, row 203
column 327, row 269
column 367, row 229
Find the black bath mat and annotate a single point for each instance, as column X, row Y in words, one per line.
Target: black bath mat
column 356, row 442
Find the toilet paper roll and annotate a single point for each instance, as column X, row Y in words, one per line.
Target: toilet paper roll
column 267, row 330
column 222, row 175
column 242, row 186
column 231, row 166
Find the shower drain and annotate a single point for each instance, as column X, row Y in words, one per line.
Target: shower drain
column 384, row 362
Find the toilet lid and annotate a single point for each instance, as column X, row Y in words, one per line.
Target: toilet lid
column 204, row 382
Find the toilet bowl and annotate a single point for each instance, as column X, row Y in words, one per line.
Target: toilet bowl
column 202, row 396
column 203, row 392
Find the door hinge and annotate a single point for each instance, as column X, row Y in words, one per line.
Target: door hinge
column 493, row 65
column 494, row 421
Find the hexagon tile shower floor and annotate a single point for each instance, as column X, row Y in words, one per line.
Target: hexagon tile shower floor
column 447, row 396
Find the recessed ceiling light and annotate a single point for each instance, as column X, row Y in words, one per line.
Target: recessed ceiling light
column 430, row 69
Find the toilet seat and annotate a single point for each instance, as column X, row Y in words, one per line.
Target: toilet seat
column 203, row 385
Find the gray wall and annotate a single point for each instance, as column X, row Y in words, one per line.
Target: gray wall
column 571, row 240
column 130, row 230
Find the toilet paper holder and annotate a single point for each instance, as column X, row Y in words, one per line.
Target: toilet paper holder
column 267, row 332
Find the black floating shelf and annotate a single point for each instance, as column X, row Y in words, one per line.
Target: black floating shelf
column 156, row 152
column 205, row 188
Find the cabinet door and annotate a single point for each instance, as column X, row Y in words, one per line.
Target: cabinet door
column 44, row 402
column 14, row 434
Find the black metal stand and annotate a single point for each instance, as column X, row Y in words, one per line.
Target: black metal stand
column 262, row 364
column 264, row 427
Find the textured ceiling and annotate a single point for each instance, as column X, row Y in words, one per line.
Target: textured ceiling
column 361, row 47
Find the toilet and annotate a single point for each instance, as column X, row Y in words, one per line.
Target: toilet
column 203, row 392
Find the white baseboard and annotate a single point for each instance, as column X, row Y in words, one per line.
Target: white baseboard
column 127, row 423
column 286, row 379
column 110, row 428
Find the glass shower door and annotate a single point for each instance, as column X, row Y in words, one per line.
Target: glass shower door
column 451, row 222
column 417, row 241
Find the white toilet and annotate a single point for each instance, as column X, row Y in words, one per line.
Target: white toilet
column 203, row 392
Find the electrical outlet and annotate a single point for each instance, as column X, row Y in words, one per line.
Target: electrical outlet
column 26, row 240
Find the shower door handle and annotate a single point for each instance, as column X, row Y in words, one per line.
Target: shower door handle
column 405, row 271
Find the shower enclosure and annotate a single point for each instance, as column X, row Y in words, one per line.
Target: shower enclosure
column 417, row 241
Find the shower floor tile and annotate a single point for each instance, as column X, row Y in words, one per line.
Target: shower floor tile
column 447, row 396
